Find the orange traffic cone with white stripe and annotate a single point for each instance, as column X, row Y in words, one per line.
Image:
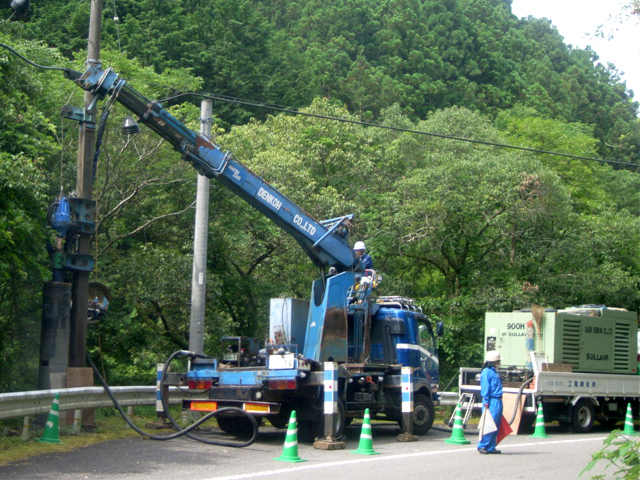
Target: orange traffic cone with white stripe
column 290, row 451
column 366, row 438
column 51, row 427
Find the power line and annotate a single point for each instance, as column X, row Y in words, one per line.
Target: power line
column 224, row 98
column 293, row 111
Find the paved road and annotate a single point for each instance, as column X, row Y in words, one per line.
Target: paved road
column 561, row 456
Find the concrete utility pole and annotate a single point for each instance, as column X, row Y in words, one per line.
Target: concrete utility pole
column 199, row 279
column 84, row 190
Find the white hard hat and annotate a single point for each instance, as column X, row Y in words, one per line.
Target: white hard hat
column 359, row 246
column 492, row 356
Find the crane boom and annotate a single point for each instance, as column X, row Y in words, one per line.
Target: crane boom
column 324, row 242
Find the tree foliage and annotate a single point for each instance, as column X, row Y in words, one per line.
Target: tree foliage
column 620, row 453
column 461, row 227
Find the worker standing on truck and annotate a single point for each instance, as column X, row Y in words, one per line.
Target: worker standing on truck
column 491, row 391
column 359, row 249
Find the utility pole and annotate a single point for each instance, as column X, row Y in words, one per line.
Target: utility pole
column 199, row 279
column 84, row 191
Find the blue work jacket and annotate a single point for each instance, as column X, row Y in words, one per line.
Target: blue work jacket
column 490, row 385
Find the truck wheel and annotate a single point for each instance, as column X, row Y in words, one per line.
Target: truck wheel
column 582, row 416
column 423, row 414
column 281, row 419
column 309, row 430
column 236, row 425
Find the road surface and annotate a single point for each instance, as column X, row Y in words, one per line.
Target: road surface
column 560, row 456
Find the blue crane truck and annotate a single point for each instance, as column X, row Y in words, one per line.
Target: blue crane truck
column 365, row 340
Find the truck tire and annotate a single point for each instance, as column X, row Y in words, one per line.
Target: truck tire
column 309, row 430
column 281, row 419
column 582, row 416
column 237, row 425
column 423, row 414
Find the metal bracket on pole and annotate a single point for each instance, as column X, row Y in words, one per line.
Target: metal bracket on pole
column 406, row 385
column 77, row 114
column 78, row 262
column 330, row 382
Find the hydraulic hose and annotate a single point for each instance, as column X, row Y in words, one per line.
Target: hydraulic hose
column 165, row 406
column 520, row 390
column 184, row 431
column 515, row 411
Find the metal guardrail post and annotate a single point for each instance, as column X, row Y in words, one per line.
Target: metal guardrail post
column 130, row 413
column 26, row 428
column 77, row 421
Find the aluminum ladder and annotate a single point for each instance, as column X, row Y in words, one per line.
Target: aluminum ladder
column 466, row 403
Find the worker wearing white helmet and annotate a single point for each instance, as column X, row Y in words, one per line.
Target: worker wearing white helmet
column 359, row 249
column 491, row 391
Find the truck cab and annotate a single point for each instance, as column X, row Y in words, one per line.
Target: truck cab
column 402, row 334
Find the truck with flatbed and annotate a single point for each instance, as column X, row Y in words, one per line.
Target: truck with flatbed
column 579, row 363
column 284, row 378
column 332, row 358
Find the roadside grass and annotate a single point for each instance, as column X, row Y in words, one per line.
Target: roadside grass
column 108, row 426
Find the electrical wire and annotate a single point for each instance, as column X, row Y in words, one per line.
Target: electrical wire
column 225, row 98
column 116, row 20
column 61, row 153
column 293, row 111
column 70, row 73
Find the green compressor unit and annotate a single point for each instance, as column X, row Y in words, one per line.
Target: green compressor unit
column 593, row 340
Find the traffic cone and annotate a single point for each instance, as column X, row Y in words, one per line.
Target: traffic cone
column 539, row 431
column 290, row 451
column 457, row 434
column 365, row 447
column 629, row 429
column 51, row 427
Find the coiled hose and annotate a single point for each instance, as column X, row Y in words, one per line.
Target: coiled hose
column 186, row 431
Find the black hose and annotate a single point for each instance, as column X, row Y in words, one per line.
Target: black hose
column 184, row 431
column 101, row 128
column 165, row 406
column 520, row 390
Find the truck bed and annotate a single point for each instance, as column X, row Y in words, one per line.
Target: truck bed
column 588, row 384
column 569, row 384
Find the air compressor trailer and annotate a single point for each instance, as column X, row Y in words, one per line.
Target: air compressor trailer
column 581, row 364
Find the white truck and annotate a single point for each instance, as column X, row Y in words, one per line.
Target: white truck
column 580, row 363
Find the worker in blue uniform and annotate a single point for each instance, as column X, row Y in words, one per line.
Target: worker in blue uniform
column 491, row 391
column 359, row 249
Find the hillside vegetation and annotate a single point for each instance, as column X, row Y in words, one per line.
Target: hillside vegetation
column 461, row 227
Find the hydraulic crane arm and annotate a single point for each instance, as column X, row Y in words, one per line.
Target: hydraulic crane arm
column 325, row 242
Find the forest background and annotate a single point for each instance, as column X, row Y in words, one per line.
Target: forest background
column 463, row 228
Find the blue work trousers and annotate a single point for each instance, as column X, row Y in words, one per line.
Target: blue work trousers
column 488, row 441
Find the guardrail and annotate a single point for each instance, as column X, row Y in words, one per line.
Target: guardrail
column 24, row 404
column 449, row 398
